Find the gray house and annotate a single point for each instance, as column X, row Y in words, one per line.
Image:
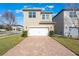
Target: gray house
column 67, row 22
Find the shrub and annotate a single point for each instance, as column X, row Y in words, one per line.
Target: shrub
column 51, row 33
column 24, row 34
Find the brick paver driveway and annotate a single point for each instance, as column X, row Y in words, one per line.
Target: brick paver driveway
column 40, row 46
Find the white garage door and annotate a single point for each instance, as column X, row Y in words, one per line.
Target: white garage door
column 38, row 32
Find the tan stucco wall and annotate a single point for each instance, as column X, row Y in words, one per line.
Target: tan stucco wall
column 34, row 22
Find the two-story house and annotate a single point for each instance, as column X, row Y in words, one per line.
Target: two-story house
column 37, row 23
column 67, row 22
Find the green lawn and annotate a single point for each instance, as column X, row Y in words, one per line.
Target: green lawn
column 9, row 42
column 71, row 44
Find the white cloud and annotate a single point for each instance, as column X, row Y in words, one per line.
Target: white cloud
column 25, row 6
column 18, row 11
column 39, row 8
column 0, row 15
column 51, row 6
column 10, row 10
column 43, row 8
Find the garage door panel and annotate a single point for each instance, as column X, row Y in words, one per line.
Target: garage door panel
column 38, row 32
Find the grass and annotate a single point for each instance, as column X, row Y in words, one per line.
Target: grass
column 9, row 42
column 69, row 43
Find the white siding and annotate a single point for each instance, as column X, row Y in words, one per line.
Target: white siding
column 69, row 22
column 74, row 32
column 64, row 22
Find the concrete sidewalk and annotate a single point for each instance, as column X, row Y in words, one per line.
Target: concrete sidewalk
column 39, row 46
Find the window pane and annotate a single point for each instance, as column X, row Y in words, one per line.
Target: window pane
column 47, row 16
column 43, row 16
column 34, row 15
column 30, row 14
column 75, row 14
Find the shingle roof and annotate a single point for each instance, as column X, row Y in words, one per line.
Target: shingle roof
column 46, row 12
column 37, row 10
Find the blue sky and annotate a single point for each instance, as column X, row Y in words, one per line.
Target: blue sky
column 17, row 8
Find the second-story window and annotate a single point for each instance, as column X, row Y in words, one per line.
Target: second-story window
column 32, row 14
column 72, row 14
column 45, row 16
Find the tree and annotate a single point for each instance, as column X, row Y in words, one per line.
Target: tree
column 8, row 19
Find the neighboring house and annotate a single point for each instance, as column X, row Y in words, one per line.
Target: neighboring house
column 37, row 23
column 67, row 22
column 17, row 27
column 1, row 30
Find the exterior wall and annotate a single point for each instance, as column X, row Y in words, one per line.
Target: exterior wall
column 34, row 22
column 59, row 24
column 31, row 21
column 69, row 22
column 49, row 26
column 74, row 32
